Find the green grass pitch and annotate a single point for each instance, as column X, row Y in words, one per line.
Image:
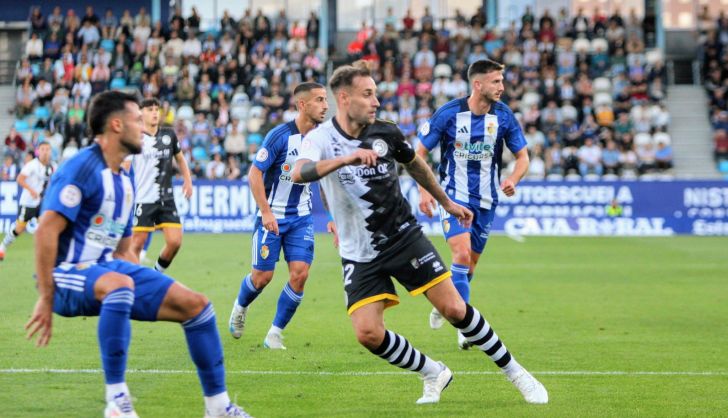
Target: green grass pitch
column 613, row 327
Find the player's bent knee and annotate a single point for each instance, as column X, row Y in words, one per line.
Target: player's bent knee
column 370, row 337
column 110, row 282
column 298, row 280
column 197, row 302
column 453, row 311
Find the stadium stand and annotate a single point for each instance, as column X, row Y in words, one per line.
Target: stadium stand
column 714, row 63
column 588, row 93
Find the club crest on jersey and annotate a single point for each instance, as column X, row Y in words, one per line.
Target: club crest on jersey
column 446, row 226
column 415, row 263
column 492, row 128
column 166, row 140
column 264, row 252
column 380, row 147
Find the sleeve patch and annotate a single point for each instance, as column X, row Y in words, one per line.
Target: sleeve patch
column 425, row 128
column 262, row 155
column 70, row 196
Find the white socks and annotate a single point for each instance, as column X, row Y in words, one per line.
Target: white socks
column 215, row 405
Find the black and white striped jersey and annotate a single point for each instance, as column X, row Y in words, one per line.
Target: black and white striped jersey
column 366, row 203
column 152, row 169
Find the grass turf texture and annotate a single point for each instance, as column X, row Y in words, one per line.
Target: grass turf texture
column 560, row 305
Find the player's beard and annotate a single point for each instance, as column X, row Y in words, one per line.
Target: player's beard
column 131, row 147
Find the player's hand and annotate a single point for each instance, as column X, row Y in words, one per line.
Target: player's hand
column 33, row 193
column 41, row 322
column 187, row 189
column 362, row 156
column 270, row 223
column 331, row 227
column 427, row 203
column 509, row 187
column 463, row 215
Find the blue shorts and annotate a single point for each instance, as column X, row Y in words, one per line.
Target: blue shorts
column 479, row 230
column 74, row 295
column 296, row 236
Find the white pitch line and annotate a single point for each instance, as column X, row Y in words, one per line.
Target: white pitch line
column 353, row 373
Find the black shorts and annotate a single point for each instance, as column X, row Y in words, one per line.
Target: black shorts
column 25, row 214
column 413, row 261
column 151, row 216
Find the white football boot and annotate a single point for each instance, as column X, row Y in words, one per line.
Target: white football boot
column 435, row 385
column 236, row 324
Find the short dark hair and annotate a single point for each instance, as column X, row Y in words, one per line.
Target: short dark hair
column 344, row 75
column 483, row 67
column 41, row 143
column 149, row 103
column 306, row 87
column 103, row 105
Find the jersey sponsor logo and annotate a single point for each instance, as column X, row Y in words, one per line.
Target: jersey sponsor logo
column 372, row 173
column 264, row 252
column 262, row 155
column 464, row 130
column 425, row 128
column 437, row 266
column 345, row 178
column 286, row 171
column 476, row 151
column 99, row 221
column 70, row 196
column 380, row 147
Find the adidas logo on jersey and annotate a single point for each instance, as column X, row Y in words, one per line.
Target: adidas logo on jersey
column 464, row 130
column 293, row 153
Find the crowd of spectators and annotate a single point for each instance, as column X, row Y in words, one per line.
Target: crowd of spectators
column 221, row 89
column 713, row 42
column 588, row 94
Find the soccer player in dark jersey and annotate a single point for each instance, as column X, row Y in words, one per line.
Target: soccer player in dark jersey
column 152, row 171
column 472, row 133
column 83, row 254
column 284, row 219
column 355, row 157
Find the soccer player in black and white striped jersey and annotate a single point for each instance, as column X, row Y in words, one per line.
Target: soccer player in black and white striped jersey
column 355, row 157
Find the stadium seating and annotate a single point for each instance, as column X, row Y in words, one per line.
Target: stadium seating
column 146, row 61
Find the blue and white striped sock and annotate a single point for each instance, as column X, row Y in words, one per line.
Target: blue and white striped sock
column 288, row 302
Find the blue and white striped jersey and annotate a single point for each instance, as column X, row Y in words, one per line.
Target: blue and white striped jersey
column 471, row 148
column 97, row 203
column 275, row 159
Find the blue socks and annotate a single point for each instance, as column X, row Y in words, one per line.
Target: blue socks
column 114, row 333
column 461, row 281
column 287, row 304
column 248, row 292
column 205, row 348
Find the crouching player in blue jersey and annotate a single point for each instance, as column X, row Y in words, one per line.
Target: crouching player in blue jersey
column 85, row 266
column 284, row 216
column 472, row 132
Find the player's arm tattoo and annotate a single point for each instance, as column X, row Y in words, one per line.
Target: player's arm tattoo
column 421, row 172
column 309, row 173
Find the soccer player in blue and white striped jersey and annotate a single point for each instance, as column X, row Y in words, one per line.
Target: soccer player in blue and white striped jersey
column 85, row 265
column 472, row 132
column 284, row 216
